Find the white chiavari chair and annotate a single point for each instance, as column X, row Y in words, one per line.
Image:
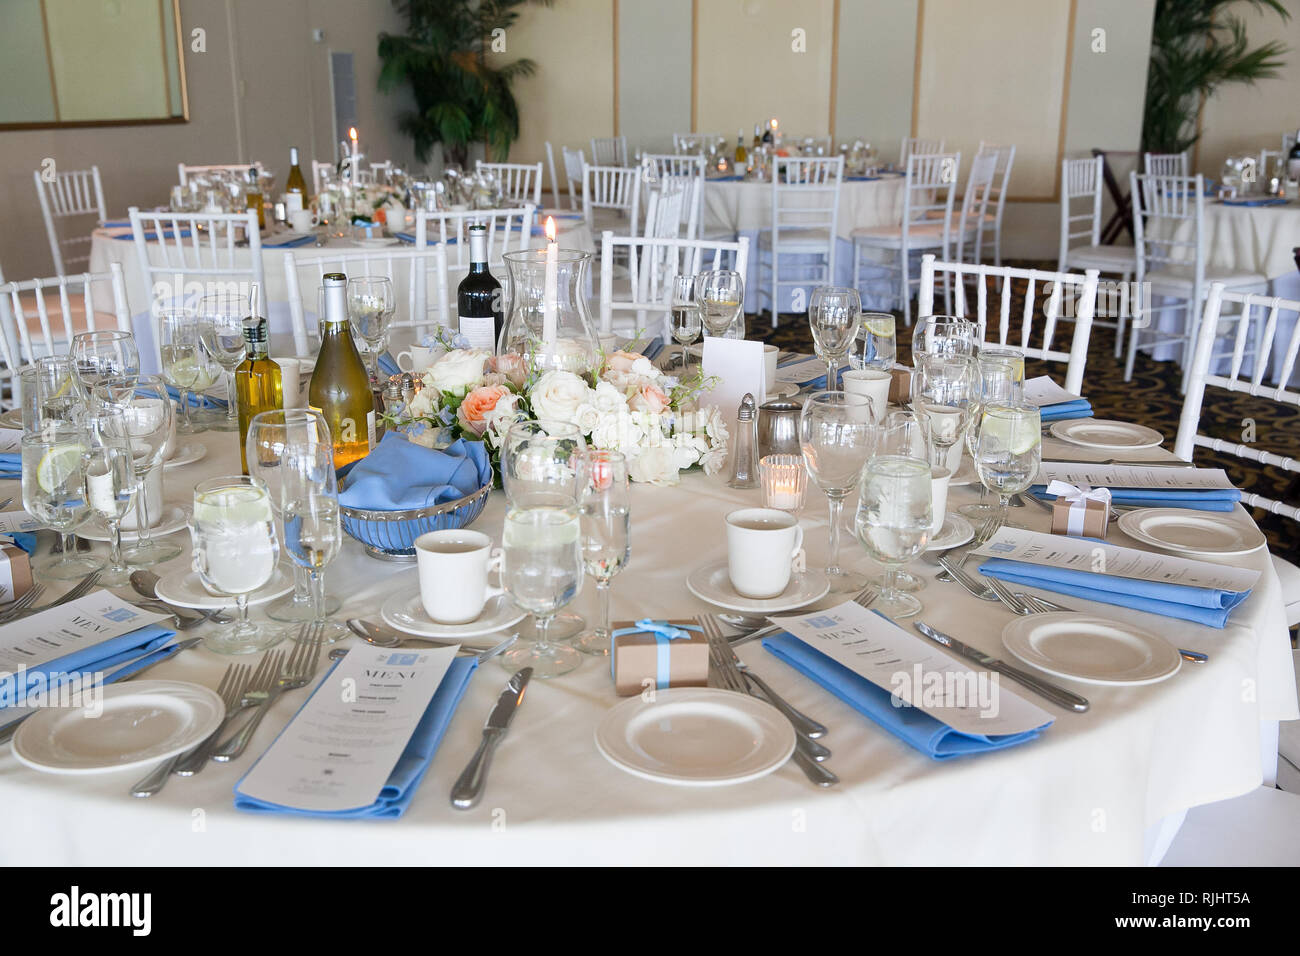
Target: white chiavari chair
column 975, row 202
column 186, row 170
column 928, row 193
column 508, row 230
column 647, row 289
column 1001, row 180
column 555, row 183
column 1081, row 182
column 805, row 223
column 1168, row 228
column 1068, row 297
column 1164, row 164
column 1257, row 318
column 609, row 150
column 422, row 272
column 73, row 193
column 613, row 188
column 917, row 146
column 663, row 212
column 176, row 249
column 520, row 182
column 39, row 317
column 574, row 161
column 688, row 167
column 370, row 175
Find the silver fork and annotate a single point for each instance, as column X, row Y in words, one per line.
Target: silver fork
column 229, row 691
column 298, row 670
column 986, row 530
column 81, row 589
column 259, row 685
column 17, row 607
column 1004, row 594
column 197, row 758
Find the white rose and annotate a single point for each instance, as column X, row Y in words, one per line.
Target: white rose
column 607, row 398
column 498, row 421
column 557, row 395
column 714, row 426
column 617, row 431
column 656, row 466
column 458, row 371
column 424, row 404
column 586, row 417
column 714, row 459
column 685, row 455
column 644, row 368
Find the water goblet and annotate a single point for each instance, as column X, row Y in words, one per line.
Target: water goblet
column 1009, row 450
column 110, row 481
column 313, row 535
column 371, row 305
column 942, row 386
column 54, row 493
column 147, row 419
column 186, row 364
column 721, row 297
column 877, row 342
column 107, row 362
column 834, row 315
column 893, row 523
column 999, row 377
column 686, row 322
column 605, row 515
column 221, row 327
column 944, row 335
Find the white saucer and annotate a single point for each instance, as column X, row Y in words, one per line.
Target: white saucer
column 955, row 532
column 696, row 737
column 1191, row 532
column 184, row 589
column 143, row 722
column 176, row 519
column 405, row 611
column 1095, row 650
column 712, row 583
column 1106, row 434
column 187, row 454
column 782, row 390
column 965, row 474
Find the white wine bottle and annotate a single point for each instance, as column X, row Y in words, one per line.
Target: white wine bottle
column 295, row 186
column 340, row 385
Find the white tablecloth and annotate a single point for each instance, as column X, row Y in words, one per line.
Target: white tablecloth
column 1084, row 793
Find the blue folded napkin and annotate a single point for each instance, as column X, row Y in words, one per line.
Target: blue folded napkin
column 399, row 790
column 400, row 475
column 932, row 737
column 410, row 237
column 152, row 236
column 388, row 365
column 116, row 224
column 860, row 179
column 288, row 243
column 1208, row 606
column 1196, row 499
column 196, row 400
column 103, row 656
column 725, row 179
column 24, row 539
column 1270, row 201
column 11, row 465
column 1079, row 408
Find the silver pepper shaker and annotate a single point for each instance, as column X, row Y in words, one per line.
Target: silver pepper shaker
column 744, row 456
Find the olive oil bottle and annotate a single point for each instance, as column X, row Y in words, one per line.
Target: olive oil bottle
column 340, row 385
column 257, row 381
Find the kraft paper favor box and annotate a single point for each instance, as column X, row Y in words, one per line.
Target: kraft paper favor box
column 652, row 653
column 1080, row 513
column 15, row 572
column 900, row 388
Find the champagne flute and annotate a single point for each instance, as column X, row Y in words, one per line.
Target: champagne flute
column 605, row 514
column 686, row 323
column 837, row 437
column 221, row 328
column 999, row 377
column 312, row 533
column 721, row 297
column 269, row 433
column 877, row 343
column 371, row 305
column 54, row 493
column 906, row 434
column 110, row 482
column 147, row 418
column 185, row 363
column 834, row 314
column 107, row 362
column 1008, row 451
column 942, row 386
column 893, row 523
column 235, row 552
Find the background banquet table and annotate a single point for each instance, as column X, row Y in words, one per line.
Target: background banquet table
column 1092, row 790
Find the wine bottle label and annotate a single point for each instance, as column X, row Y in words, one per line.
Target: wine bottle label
column 480, row 331
column 370, row 428
column 292, row 203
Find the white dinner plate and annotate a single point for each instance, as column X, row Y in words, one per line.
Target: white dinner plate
column 1095, row 650
column 696, row 737
column 1106, row 434
column 184, row 589
column 187, row 454
column 143, row 722
column 405, row 611
column 1191, row 532
column 955, row 532
column 175, row 519
column 712, row 583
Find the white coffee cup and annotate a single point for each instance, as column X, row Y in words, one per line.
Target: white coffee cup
column 770, row 354
column 953, row 461
column 290, row 381
column 169, row 446
column 939, row 497
column 453, row 567
column 153, row 500
column 302, row 220
column 874, row 384
column 608, row 342
column 415, row 359
column 763, row 547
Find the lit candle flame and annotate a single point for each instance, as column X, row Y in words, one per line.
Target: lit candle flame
column 352, row 133
column 774, row 123
column 550, row 228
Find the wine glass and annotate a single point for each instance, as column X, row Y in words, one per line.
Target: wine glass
column 1008, row 451
column 186, row 365
column 837, row 437
column 54, row 493
column 834, row 314
column 107, row 362
column 371, row 305
column 906, row 434
column 999, row 376
column 942, row 386
column 110, row 481
column 268, row 435
column 877, row 343
column 686, row 324
column 721, row 297
column 893, row 523
column 605, row 515
column 146, row 419
column 312, row 533
column 1003, row 357
column 221, row 327
column 235, row 552
column 57, row 394
column 944, row 335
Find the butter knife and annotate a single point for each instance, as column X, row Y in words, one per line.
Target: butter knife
column 1058, row 695
column 467, row 789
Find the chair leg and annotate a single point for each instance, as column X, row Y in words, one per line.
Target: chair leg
column 1134, row 333
column 905, row 290
column 1191, row 330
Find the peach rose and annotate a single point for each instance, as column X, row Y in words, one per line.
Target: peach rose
column 477, row 404
column 511, row 366
column 622, row 361
column 649, row 398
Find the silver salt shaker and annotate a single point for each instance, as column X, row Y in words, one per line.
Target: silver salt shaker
column 744, row 454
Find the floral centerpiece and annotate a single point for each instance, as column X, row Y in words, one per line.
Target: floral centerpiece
column 627, row 405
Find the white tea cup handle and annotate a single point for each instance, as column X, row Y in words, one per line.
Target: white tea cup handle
column 798, row 558
column 405, row 355
column 495, row 560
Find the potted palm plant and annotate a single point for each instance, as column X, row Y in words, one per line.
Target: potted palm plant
column 460, row 98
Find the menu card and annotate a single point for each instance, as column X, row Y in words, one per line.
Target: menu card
column 1087, row 554
column 75, row 626
column 1042, row 391
column 17, row 522
column 796, row 373
column 1132, row 476
column 905, row 664
column 341, row 747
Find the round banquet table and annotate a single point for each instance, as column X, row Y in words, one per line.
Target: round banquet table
column 1091, row 790
column 745, row 209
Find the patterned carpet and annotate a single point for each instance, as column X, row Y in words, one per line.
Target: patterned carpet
column 1152, row 398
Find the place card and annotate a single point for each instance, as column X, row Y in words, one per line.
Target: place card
column 18, row 522
column 803, row 370
column 1087, row 554
column 738, row 364
column 50, row 635
column 1042, row 391
column 340, row 749
column 904, row 664
column 1133, row 476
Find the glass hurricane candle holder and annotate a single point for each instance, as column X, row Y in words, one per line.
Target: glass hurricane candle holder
column 548, row 323
column 784, row 481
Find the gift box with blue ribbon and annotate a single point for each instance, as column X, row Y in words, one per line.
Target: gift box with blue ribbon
column 649, row 653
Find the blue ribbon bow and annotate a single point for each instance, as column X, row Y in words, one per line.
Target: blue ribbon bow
column 664, row 633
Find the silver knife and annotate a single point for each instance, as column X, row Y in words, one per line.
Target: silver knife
column 1059, row 695
column 467, row 789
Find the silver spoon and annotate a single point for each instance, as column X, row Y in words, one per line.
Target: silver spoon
column 145, row 583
